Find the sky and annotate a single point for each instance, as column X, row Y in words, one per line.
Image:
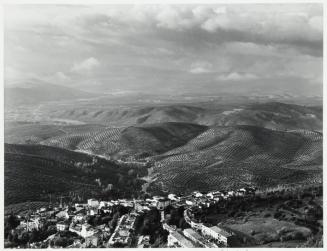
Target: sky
column 246, row 49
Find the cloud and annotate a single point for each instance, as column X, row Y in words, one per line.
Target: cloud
column 62, row 77
column 141, row 46
column 236, row 76
column 86, row 65
column 200, row 67
column 13, row 75
column 316, row 23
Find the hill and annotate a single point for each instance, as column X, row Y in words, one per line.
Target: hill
column 132, row 115
column 137, row 141
column 33, row 172
column 273, row 115
column 229, row 157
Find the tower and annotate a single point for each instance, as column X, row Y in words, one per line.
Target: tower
column 61, row 206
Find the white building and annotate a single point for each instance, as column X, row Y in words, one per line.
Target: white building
column 87, row 230
column 189, row 202
column 197, row 194
column 78, row 218
column 30, row 225
column 63, row 215
column 197, row 238
column 93, row 203
column 218, row 234
column 61, row 226
column 177, row 239
column 173, row 197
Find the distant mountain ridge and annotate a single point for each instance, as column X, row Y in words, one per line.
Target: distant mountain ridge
column 36, row 91
column 272, row 115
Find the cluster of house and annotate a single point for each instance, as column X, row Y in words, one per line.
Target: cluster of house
column 124, row 231
column 207, row 199
column 74, row 219
column 201, row 234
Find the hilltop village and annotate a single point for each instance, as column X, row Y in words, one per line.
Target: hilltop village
column 126, row 223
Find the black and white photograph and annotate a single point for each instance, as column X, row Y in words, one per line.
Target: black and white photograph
column 163, row 125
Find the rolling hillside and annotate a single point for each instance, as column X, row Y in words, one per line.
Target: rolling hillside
column 32, row 172
column 227, row 157
column 203, row 147
column 273, row 115
column 137, row 141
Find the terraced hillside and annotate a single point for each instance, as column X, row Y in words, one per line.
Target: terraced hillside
column 205, row 147
column 32, row 172
column 34, row 133
column 25, row 132
column 137, row 141
column 227, row 157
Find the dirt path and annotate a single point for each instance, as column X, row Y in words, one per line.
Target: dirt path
column 148, row 180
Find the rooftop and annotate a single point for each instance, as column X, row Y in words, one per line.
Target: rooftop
column 183, row 240
column 221, row 231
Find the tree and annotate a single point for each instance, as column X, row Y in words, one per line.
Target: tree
column 34, row 236
column 11, row 222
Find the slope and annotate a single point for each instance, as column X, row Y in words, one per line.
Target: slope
column 32, row 172
column 137, row 141
column 228, row 157
column 271, row 115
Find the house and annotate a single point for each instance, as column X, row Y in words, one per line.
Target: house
column 197, row 238
column 163, row 203
column 173, row 197
column 196, row 225
column 93, row 241
column 30, row 224
column 41, row 210
column 79, row 206
column 214, row 194
column 189, row 202
column 105, row 204
column 61, row 226
column 177, row 239
column 141, row 206
column 157, row 198
column 231, row 193
column 63, row 215
column 75, row 228
column 87, row 230
column 143, row 241
column 250, row 190
column 92, row 212
column 193, row 235
column 219, row 234
column 169, row 228
column 93, row 203
column 197, row 194
column 78, row 217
